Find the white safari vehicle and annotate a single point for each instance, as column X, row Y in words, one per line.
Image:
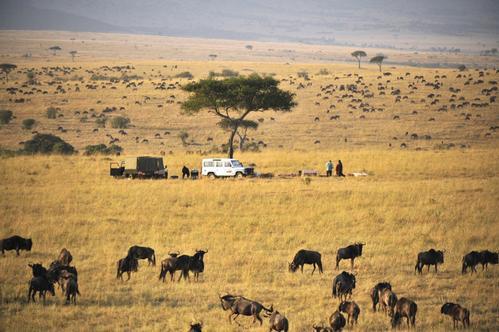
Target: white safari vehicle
column 224, row 167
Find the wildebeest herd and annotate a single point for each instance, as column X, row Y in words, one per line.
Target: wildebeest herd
column 382, row 295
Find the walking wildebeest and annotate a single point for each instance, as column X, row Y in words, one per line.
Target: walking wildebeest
column 196, row 327
column 351, row 309
column 65, row 257
column 71, row 288
column 487, row 257
column 387, row 301
column 186, row 263
column 128, row 265
column 458, row 313
column 337, row 321
column 15, row 243
column 350, row 252
column 278, row 322
column 343, row 284
column 471, row 260
column 40, row 284
column 405, row 308
column 239, row 305
column 139, row 252
column 375, row 292
column 430, row 257
column 168, row 266
column 303, row 257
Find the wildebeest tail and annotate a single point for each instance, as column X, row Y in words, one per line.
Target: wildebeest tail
column 335, row 292
column 153, row 259
column 463, row 271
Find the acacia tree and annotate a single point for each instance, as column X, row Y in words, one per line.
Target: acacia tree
column 233, row 99
column 378, row 59
column 73, row 54
column 359, row 54
column 6, row 68
column 54, row 49
column 242, row 131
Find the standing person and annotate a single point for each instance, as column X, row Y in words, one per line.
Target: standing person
column 166, row 172
column 339, row 169
column 185, row 172
column 329, row 168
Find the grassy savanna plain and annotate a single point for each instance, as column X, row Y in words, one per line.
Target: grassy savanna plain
column 437, row 193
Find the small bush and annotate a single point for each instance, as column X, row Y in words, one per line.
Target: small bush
column 102, row 149
column 185, row 74
column 51, row 113
column 120, row 122
column 101, row 122
column 47, row 144
column 28, row 123
column 304, row 75
column 323, row 71
column 5, row 116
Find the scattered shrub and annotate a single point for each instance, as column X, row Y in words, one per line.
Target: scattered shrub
column 101, row 122
column 304, row 75
column 102, row 149
column 47, row 144
column 323, row 71
column 120, row 122
column 51, row 113
column 185, row 74
column 5, row 116
column 28, row 123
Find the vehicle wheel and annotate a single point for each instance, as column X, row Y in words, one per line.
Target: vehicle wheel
column 211, row 176
column 239, row 175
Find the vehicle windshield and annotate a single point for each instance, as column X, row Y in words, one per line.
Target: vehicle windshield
column 236, row 163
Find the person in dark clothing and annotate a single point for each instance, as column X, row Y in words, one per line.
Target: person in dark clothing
column 339, row 169
column 185, row 172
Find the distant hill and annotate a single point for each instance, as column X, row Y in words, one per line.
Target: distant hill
column 314, row 21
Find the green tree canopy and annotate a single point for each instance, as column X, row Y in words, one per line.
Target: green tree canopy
column 6, row 68
column 378, row 59
column 359, row 54
column 233, row 99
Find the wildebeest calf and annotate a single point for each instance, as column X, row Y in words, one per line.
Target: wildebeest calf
column 387, row 301
column 41, row 285
column 168, row 266
column 71, row 288
column 343, row 284
column 278, row 322
column 16, row 243
column 65, row 257
column 196, row 327
column 405, row 308
column 350, row 252
column 303, row 257
column 375, row 292
column 351, row 309
column 337, row 321
column 430, row 257
column 458, row 313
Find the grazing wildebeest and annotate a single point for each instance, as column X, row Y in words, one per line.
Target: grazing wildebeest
column 65, row 257
column 350, row 252
column 15, row 243
column 40, row 284
column 71, row 288
column 458, row 313
column 375, row 292
column 387, row 301
column 196, row 327
column 430, row 257
column 351, row 309
column 337, row 321
column 343, row 284
column 278, row 322
column 168, row 266
column 138, row 252
column 405, row 308
column 488, row 257
column 303, row 257
column 128, row 265
column 239, row 305
column 471, row 260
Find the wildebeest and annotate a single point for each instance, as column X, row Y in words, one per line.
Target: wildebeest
column 350, row 252
column 487, row 257
column 41, row 285
column 351, row 309
column 168, row 266
column 16, row 243
column 458, row 313
column 405, row 308
column 38, row 270
column 303, row 257
column 375, row 292
column 322, row 328
column 71, row 288
column 387, row 301
column 196, row 327
column 471, row 260
column 278, row 322
column 186, row 263
column 139, row 252
column 239, row 305
column 430, row 257
column 337, row 321
column 65, row 257
column 128, row 265
column 343, row 284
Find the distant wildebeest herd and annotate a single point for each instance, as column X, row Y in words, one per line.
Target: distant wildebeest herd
column 382, row 295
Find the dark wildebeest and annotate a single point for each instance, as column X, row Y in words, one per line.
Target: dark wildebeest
column 71, row 288
column 488, row 257
column 168, row 266
column 138, row 252
column 303, row 257
column 239, row 305
column 343, row 284
column 430, row 257
column 278, row 322
column 375, row 292
column 196, row 327
column 38, row 270
column 458, row 313
column 57, row 272
column 405, row 308
column 128, row 265
column 40, row 284
column 350, row 252
column 337, row 321
column 471, row 260
column 186, row 263
column 351, row 309
column 387, row 301
column 15, row 243
column 65, row 257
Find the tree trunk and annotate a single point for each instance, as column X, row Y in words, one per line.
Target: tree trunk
column 359, row 62
column 379, row 67
column 231, row 143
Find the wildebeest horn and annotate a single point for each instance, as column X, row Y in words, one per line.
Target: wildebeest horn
column 206, row 251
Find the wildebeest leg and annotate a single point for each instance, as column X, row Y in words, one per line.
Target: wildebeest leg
column 313, row 270
column 351, row 262
column 301, row 266
column 453, row 322
column 29, row 293
column 42, row 294
column 436, row 268
column 129, row 274
column 17, row 250
column 337, row 263
column 428, row 268
column 257, row 316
